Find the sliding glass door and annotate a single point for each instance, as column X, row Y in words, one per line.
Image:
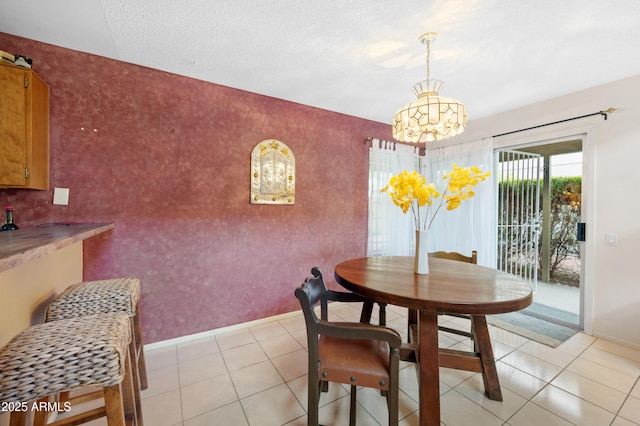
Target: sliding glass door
column 519, row 216
column 539, row 209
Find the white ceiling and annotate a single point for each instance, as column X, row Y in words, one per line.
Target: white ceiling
column 358, row 57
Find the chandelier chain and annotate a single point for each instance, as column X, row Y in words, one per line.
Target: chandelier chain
column 428, row 60
column 431, row 117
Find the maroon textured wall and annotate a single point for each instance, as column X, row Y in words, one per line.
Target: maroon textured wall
column 169, row 164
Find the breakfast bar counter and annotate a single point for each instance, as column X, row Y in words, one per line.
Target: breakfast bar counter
column 36, row 264
column 24, row 245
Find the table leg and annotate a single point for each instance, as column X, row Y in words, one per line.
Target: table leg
column 428, row 367
column 489, row 371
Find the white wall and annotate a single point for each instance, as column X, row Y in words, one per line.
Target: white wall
column 611, row 192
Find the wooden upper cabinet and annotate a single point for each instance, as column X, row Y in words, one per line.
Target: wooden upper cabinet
column 24, row 129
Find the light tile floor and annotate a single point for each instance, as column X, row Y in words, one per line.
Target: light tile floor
column 257, row 375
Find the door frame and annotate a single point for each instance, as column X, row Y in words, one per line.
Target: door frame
column 587, row 248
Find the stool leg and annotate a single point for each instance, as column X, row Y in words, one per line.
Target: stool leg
column 64, row 396
column 40, row 417
column 139, row 359
column 114, row 406
column 18, row 418
column 120, row 400
column 134, row 385
column 131, row 395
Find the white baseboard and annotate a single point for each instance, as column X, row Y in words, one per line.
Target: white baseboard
column 205, row 334
column 622, row 342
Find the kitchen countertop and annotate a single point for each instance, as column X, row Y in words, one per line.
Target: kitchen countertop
column 26, row 244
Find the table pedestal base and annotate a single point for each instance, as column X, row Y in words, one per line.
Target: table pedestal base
column 428, row 369
column 423, row 349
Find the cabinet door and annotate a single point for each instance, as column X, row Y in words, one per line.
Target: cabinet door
column 12, row 126
column 37, row 146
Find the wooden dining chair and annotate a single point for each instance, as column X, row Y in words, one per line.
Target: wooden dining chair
column 356, row 354
column 367, row 304
column 413, row 314
column 452, row 255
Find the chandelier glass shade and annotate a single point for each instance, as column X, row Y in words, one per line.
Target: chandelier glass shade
column 431, row 117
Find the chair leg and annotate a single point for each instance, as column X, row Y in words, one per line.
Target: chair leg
column 313, row 399
column 476, row 348
column 412, row 319
column 352, row 406
column 367, row 309
column 383, row 314
column 393, row 393
column 393, row 407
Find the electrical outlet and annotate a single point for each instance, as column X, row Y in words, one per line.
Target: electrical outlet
column 61, row 196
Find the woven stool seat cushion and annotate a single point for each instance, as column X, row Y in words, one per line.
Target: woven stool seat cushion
column 64, row 355
column 96, row 297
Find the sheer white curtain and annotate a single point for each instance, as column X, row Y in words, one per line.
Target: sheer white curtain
column 472, row 226
column 391, row 232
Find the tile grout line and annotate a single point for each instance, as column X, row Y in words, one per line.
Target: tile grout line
column 289, row 333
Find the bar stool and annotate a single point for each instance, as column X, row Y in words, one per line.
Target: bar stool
column 103, row 296
column 67, row 355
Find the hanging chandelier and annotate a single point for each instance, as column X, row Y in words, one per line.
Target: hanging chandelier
column 431, row 117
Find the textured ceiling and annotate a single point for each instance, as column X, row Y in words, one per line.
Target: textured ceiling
column 358, row 57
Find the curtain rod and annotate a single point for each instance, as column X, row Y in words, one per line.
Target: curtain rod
column 604, row 113
column 371, row 138
column 421, row 149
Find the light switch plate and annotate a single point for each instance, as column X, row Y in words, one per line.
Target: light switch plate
column 61, row 196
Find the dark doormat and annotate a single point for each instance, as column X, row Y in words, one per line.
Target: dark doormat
column 536, row 329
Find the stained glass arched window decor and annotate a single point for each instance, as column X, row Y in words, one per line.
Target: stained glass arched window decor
column 273, row 173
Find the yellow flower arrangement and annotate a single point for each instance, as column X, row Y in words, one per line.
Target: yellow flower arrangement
column 410, row 190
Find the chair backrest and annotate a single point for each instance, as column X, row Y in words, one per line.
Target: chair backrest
column 324, row 297
column 310, row 293
column 456, row 256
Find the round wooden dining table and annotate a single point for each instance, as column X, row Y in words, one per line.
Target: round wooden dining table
column 449, row 287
